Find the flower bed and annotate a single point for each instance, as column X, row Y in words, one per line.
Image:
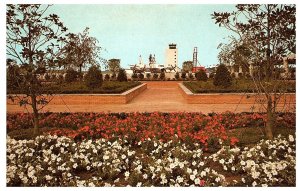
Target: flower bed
column 60, row 161
column 187, row 127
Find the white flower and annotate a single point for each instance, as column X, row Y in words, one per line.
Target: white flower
column 221, row 161
column 123, row 156
column 145, row 176
column 91, row 184
column 48, row 177
column 243, row 163
column 179, row 179
column 88, row 167
column 249, row 154
column 69, row 174
column 172, row 165
column 194, row 163
column 217, row 179
column 105, row 157
column 254, row 184
column 127, row 173
column 243, row 180
column 225, row 167
column 155, row 144
column 230, row 160
column 291, row 138
column 181, row 165
column 203, row 173
column 264, row 185
column 195, row 172
column 192, row 177
column 197, row 181
column 201, row 163
column 139, row 184
column 233, row 168
column 188, row 170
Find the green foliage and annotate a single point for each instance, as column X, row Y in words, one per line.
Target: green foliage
column 122, row 77
column 162, row 76
column 114, row 65
column 177, row 76
column 71, row 75
column 201, row 75
column 106, row 77
column 93, row 78
column 141, row 76
column 191, row 76
column 155, row 76
column 183, row 75
column 222, row 77
column 187, row 66
column 148, row 76
column 134, row 76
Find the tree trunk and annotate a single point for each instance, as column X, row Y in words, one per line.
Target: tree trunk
column 35, row 115
column 270, row 119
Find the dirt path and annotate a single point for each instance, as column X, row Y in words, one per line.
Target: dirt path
column 159, row 96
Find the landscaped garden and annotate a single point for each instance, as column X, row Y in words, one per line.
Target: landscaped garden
column 150, row 149
column 237, row 86
column 108, row 87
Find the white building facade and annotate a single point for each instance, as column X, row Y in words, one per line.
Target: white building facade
column 171, row 56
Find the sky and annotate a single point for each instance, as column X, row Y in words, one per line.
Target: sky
column 127, row 31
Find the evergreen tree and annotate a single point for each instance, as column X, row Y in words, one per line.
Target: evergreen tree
column 222, row 77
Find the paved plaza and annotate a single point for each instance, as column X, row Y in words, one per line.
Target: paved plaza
column 159, row 96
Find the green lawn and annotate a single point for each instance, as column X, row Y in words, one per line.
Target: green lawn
column 238, row 86
column 108, row 87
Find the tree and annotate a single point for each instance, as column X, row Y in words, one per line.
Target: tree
column 141, row 76
column 183, row 75
column 71, row 75
column 34, row 39
column 270, row 32
column 162, row 76
column 222, row 77
column 148, row 76
column 93, row 79
column 155, row 76
column 187, row 66
column 106, row 77
column 191, row 76
column 177, row 75
column 134, row 76
column 201, row 75
column 81, row 50
column 122, row 77
column 114, row 65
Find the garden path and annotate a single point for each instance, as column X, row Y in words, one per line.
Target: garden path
column 159, row 96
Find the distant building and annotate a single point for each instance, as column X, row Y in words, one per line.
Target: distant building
column 171, row 56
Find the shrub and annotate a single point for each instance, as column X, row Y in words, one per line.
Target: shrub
column 183, row 75
column 141, row 76
column 201, row 76
column 155, row 76
column 148, row 76
column 134, row 76
column 106, row 77
column 60, row 79
column 122, row 77
column 93, row 78
column 113, row 76
column 47, row 77
column 71, row 75
column 211, row 75
column 191, row 76
column 162, row 76
column 177, row 76
column 222, row 77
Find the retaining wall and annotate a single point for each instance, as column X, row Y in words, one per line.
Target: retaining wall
column 91, row 99
column 230, row 98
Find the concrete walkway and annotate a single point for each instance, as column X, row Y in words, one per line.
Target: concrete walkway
column 159, row 96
